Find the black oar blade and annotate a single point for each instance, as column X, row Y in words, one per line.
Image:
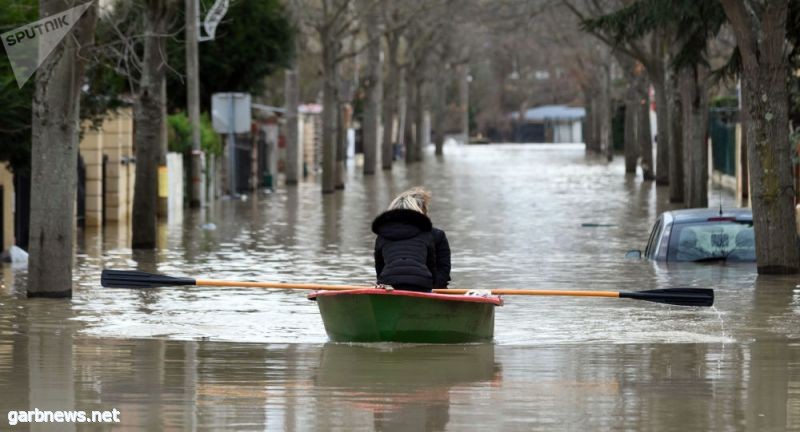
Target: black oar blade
column 138, row 279
column 703, row 297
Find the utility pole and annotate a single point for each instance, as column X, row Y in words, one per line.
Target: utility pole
column 193, row 103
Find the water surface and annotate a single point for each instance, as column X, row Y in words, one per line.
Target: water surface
column 242, row 358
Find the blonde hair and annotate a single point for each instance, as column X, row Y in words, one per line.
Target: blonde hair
column 416, row 198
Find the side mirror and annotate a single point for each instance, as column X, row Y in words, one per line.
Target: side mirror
column 633, row 254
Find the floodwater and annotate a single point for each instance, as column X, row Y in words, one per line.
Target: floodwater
column 249, row 359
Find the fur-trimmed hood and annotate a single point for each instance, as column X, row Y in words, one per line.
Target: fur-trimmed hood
column 401, row 224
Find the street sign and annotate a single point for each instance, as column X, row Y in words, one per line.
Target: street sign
column 213, row 18
column 230, row 112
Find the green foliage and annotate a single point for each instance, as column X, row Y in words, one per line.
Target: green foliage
column 690, row 24
column 102, row 93
column 254, row 40
column 210, row 141
column 15, row 102
column 724, row 102
column 102, row 88
column 179, row 134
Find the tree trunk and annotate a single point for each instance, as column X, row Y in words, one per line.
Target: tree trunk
column 463, row 101
column 604, row 115
column 695, row 125
column 643, row 134
column 421, row 139
column 674, row 137
column 765, row 116
column 599, row 114
column 341, row 145
column 390, row 104
column 410, row 145
column 294, row 164
column 438, row 116
column 662, row 130
column 374, row 86
column 630, row 143
column 402, row 109
column 148, row 125
column 589, row 121
column 330, row 107
column 54, row 157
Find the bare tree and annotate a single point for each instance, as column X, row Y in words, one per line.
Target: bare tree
column 373, row 83
column 398, row 17
column 651, row 51
column 391, row 87
column 136, row 49
column 54, row 156
column 333, row 22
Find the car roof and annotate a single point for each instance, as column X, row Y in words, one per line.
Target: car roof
column 703, row 214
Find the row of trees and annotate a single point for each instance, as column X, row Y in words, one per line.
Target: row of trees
column 381, row 52
column 683, row 49
column 396, row 61
column 125, row 52
column 132, row 53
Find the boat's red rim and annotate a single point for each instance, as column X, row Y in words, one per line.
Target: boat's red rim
column 495, row 300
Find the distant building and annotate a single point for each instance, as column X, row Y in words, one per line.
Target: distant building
column 106, row 172
column 104, row 195
column 549, row 124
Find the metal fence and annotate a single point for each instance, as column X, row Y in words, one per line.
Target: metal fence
column 722, row 131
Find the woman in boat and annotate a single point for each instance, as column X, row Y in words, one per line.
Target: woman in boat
column 410, row 254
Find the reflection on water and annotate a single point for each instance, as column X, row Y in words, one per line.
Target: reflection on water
column 404, row 387
column 516, row 217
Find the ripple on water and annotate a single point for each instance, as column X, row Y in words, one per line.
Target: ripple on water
column 514, row 217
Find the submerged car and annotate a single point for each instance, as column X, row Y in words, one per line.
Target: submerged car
column 701, row 235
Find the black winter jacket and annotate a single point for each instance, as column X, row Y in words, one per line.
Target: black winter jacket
column 442, row 247
column 405, row 254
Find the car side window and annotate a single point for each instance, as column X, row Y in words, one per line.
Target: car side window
column 654, row 235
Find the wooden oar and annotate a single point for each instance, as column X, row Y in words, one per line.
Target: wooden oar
column 674, row 296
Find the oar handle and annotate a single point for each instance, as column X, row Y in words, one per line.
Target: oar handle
column 306, row 286
column 278, row 285
column 536, row 292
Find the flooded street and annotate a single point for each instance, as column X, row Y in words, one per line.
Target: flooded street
column 516, row 217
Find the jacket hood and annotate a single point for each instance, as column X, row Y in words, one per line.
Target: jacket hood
column 401, row 224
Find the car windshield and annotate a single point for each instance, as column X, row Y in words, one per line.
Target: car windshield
column 712, row 240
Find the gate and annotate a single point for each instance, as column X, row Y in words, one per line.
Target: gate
column 81, row 201
column 722, row 130
column 22, row 209
column 103, row 182
column 2, row 218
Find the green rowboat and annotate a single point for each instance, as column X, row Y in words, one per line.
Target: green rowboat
column 380, row 315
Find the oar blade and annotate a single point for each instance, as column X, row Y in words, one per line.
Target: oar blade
column 702, row 297
column 139, row 279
